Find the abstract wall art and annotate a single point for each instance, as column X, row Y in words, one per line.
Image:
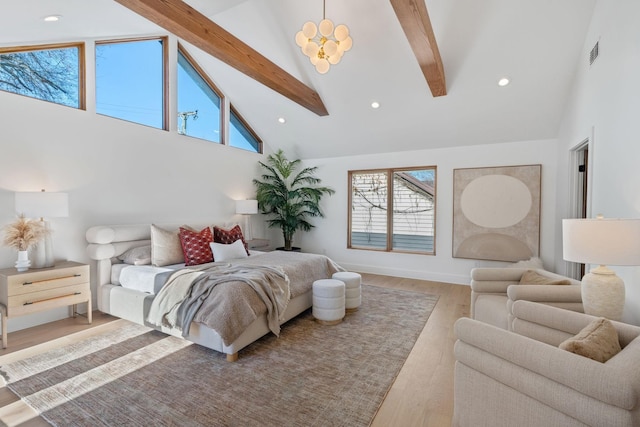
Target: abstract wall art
column 496, row 213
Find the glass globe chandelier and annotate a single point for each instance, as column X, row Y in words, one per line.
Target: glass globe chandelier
column 324, row 44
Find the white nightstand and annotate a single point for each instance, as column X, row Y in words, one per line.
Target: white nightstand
column 34, row 290
column 259, row 245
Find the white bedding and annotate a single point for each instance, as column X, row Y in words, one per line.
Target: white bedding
column 143, row 277
column 140, row 277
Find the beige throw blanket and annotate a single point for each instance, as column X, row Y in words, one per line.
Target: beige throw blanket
column 232, row 306
column 187, row 291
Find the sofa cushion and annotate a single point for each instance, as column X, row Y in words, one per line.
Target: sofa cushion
column 598, row 341
column 492, row 309
column 531, row 277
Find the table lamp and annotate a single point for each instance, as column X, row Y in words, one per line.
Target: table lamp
column 246, row 208
column 602, row 241
column 42, row 204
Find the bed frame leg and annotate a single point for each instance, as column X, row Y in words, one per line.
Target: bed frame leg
column 232, row 357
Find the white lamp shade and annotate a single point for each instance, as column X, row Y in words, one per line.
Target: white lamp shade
column 605, row 241
column 247, row 207
column 41, row 204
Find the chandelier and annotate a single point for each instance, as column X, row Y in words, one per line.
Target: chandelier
column 324, row 44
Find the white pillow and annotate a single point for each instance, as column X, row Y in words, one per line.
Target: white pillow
column 140, row 255
column 222, row 252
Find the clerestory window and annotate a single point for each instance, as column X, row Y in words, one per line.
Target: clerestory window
column 241, row 135
column 199, row 101
column 131, row 80
column 131, row 83
column 53, row 73
column 393, row 209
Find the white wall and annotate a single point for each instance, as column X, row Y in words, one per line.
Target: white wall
column 115, row 172
column 606, row 101
column 330, row 234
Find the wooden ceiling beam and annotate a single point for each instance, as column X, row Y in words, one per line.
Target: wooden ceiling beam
column 190, row 25
column 415, row 22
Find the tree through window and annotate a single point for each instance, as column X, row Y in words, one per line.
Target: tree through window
column 400, row 200
column 50, row 73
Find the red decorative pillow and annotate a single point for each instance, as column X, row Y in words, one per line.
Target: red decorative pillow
column 195, row 246
column 220, row 235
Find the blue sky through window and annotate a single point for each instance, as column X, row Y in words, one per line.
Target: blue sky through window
column 129, row 81
column 198, row 104
column 129, row 86
column 241, row 137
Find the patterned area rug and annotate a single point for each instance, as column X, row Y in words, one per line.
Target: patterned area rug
column 312, row 375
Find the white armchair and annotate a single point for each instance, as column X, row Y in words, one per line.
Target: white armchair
column 522, row 378
column 493, row 291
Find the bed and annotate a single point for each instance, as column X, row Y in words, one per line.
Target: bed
column 129, row 291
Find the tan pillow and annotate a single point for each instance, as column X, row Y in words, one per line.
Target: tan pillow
column 530, row 277
column 598, row 341
column 165, row 247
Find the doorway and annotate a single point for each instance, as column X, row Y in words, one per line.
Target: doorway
column 580, row 194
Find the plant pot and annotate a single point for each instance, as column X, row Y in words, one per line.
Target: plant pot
column 23, row 263
column 293, row 249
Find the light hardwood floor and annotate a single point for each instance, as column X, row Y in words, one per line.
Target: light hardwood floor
column 422, row 394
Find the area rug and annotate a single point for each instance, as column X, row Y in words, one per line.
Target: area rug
column 312, row 375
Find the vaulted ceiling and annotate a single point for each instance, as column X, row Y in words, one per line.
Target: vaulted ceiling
column 537, row 44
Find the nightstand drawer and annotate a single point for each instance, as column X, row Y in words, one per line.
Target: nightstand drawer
column 32, row 302
column 44, row 280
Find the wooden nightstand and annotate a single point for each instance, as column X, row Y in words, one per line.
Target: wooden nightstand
column 34, row 290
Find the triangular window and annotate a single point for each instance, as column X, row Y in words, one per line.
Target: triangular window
column 199, row 102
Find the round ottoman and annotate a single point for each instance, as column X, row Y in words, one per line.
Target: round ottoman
column 328, row 301
column 352, row 286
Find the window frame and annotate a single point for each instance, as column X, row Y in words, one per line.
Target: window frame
column 82, row 97
column 389, row 172
column 165, row 76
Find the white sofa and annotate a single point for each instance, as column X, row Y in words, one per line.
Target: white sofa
column 521, row 377
column 493, row 291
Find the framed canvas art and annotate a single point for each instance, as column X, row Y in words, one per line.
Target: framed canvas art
column 496, row 213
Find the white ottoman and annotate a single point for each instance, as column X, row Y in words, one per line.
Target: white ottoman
column 353, row 291
column 328, row 301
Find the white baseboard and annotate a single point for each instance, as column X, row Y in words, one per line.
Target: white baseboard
column 457, row 279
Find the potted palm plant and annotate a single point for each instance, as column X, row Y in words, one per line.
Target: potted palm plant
column 288, row 196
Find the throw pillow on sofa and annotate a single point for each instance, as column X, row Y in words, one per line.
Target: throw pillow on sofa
column 531, row 277
column 598, row 341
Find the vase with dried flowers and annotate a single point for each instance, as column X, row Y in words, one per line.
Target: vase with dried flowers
column 22, row 234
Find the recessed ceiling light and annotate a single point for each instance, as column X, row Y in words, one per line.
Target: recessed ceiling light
column 503, row 81
column 52, row 18
column 375, row 104
column 282, row 120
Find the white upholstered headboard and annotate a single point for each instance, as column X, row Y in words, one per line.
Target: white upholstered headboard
column 109, row 241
